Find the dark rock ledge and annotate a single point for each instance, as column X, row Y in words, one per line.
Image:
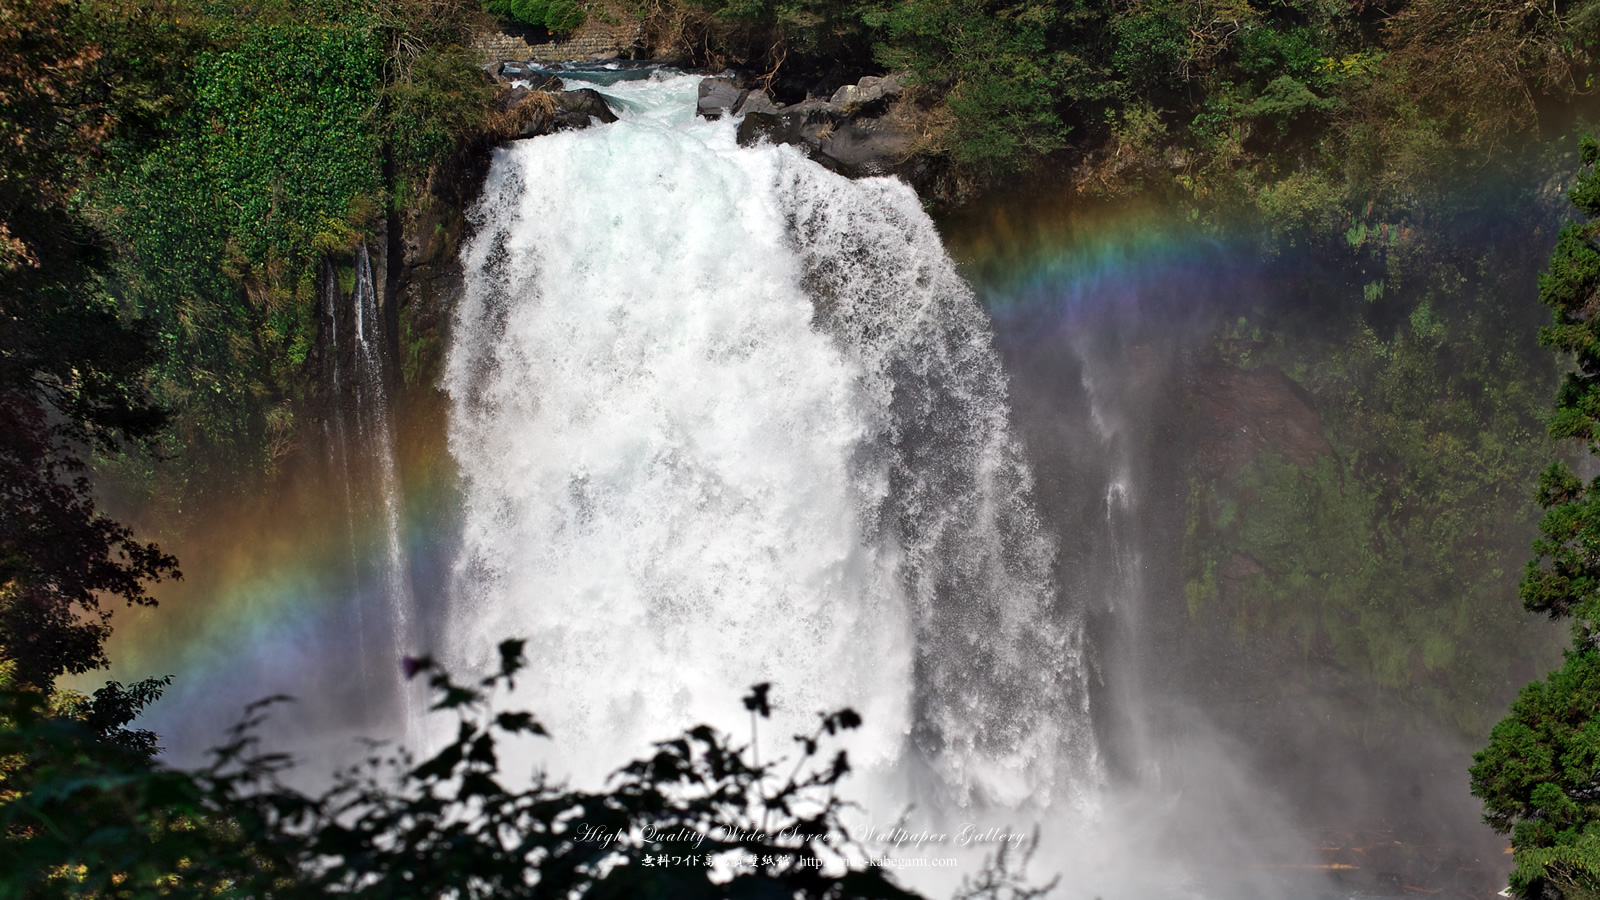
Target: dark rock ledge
column 538, row 103
column 857, row 132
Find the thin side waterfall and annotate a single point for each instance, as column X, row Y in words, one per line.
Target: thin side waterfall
column 336, row 442
column 359, row 428
column 1120, row 586
column 725, row 417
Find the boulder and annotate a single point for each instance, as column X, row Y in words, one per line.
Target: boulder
column 770, row 128
column 510, row 72
column 806, row 124
column 719, row 96
column 511, row 98
column 816, row 111
column 755, row 102
column 855, row 147
column 869, row 94
column 543, row 112
column 574, row 109
column 864, row 147
column 853, row 133
column 543, row 82
column 1235, row 415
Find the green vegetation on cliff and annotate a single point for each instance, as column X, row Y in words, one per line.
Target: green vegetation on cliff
column 171, row 175
column 1537, row 777
column 1291, row 105
column 1384, row 557
column 555, row 16
column 304, row 128
column 272, row 164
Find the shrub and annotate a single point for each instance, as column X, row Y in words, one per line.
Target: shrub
column 556, row 16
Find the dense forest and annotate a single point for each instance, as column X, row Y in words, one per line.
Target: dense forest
column 176, row 178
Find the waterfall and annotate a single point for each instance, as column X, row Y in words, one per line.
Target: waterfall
column 358, row 428
column 725, row 417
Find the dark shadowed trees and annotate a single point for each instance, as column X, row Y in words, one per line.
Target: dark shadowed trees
column 698, row 817
column 75, row 81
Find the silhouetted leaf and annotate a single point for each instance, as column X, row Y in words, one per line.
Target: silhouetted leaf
column 519, row 722
column 756, row 700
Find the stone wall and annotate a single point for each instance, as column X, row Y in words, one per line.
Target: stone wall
column 593, row 40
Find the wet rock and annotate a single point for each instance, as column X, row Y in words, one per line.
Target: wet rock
column 864, row 147
column 511, row 98
column 755, row 102
column 853, row 133
column 1235, row 574
column 585, row 102
column 719, row 96
column 854, row 147
column 771, row 128
column 516, row 74
column 544, row 83
column 544, row 112
column 816, row 111
column 808, row 124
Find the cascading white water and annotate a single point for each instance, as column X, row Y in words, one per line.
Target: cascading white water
column 362, row 414
column 725, row 417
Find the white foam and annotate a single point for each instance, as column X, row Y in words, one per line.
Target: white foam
column 724, row 417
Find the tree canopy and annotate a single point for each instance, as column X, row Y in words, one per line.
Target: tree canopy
column 74, row 81
column 1539, row 778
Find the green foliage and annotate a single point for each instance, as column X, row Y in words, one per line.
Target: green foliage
column 1284, row 99
column 1569, row 288
column 59, row 557
column 1561, row 579
column 64, row 106
column 1266, row 52
column 435, row 105
column 1383, row 557
column 95, row 821
column 1149, row 50
column 72, row 367
column 1537, row 777
column 1002, row 67
column 83, row 817
column 280, row 122
column 557, row 16
column 279, row 159
column 109, row 713
column 274, row 163
column 1006, row 84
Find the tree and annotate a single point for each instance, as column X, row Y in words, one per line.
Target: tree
column 1539, row 778
column 74, row 81
column 107, row 823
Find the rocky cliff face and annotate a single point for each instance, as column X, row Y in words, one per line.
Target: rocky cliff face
column 1234, row 415
column 867, row 128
